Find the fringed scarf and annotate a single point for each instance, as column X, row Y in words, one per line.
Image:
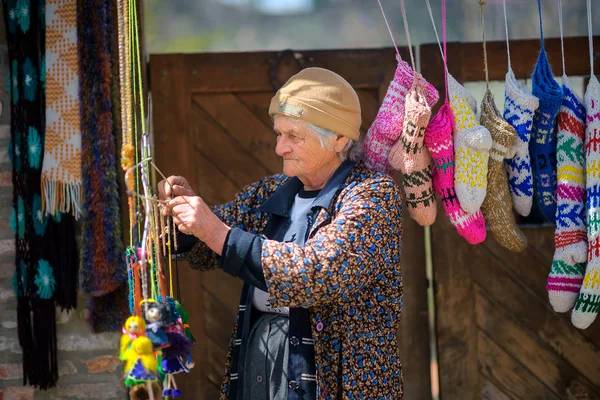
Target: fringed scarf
column 103, row 267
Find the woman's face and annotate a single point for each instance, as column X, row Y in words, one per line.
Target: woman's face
column 301, row 149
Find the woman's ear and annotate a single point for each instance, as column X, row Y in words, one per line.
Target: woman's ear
column 340, row 143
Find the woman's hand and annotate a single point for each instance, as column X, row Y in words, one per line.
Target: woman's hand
column 174, row 186
column 194, row 217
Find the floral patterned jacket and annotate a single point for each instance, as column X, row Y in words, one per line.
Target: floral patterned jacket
column 347, row 274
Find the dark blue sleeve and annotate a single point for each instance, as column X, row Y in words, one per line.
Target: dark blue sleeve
column 241, row 257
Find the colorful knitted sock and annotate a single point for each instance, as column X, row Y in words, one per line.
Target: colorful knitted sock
column 472, row 144
column 588, row 301
column 543, row 146
column 387, row 127
column 519, row 107
column 570, row 237
column 497, row 206
column 410, row 157
column 438, row 139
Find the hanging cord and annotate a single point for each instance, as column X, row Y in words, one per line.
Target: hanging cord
column 562, row 43
column 541, row 22
column 412, row 59
column 442, row 51
column 434, row 28
column 389, row 29
column 590, row 36
column 506, row 29
column 485, row 63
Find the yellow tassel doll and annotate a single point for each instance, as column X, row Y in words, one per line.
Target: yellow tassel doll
column 134, row 327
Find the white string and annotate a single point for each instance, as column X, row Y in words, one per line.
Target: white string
column 506, row 29
column 562, row 44
column 590, row 37
column 412, row 59
column 389, row 29
column 434, row 28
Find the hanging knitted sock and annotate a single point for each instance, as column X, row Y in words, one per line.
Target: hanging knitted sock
column 472, row 144
column 387, row 127
column 410, row 157
column 519, row 107
column 570, row 237
column 543, row 144
column 588, row 301
column 438, row 140
column 497, row 206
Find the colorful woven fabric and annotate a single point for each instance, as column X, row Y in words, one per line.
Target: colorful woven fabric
column 387, row 127
column 472, row 144
column 438, row 139
column 519, row 107
column 570, row 237
column 588, row 301
column 410, row 157
column 497, row 206
column 103, row 266
column 61, row 172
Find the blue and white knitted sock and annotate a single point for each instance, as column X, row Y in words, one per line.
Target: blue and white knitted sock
column 543, row 144
column 519, row 107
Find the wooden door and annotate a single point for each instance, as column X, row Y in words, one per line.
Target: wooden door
column 211, row 125
column 497, row 336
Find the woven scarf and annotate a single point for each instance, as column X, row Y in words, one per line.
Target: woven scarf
column 61, row 171
column 103, row 268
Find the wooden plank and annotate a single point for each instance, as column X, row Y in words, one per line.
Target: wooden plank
column 242, row 125
column 526, row 348
column 491, row 392
column 533, row 314
column 512, row 377
column 369, row 105
column 258, row 104
column 209, row 182
column 224, row 152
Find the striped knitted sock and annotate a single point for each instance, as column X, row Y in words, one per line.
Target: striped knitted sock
column 519, row 106
column 570, row 237
column 411, row 158
column 438, row 139
column 472, row 144
column 543, row 146
column 497, row 206
column 387, row 127
column 588, row 301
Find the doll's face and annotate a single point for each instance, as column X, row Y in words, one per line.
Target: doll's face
column 133, row 327
column 153, row 314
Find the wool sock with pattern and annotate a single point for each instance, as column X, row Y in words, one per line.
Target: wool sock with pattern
column 542, row 146
column 497, row 206
column 412, row 159
column 519, row 107
column 588, row 301
column 387, row 127
column 570, row 237
column 472, row 144
column 439, row 142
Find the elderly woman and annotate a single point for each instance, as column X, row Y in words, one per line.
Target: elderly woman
column 318, row 248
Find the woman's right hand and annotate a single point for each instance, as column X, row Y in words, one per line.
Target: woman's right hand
column 174, row 186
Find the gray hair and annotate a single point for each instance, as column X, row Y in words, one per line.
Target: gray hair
column 352, row 150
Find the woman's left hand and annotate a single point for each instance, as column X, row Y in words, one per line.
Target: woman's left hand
column 193, row 217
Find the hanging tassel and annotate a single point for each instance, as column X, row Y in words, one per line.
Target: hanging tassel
column 44, row 331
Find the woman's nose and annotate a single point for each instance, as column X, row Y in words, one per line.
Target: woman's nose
column 282, row 148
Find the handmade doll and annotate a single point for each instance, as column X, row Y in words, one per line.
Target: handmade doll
column 141, row 366
column 134, row 327
column 156, row 320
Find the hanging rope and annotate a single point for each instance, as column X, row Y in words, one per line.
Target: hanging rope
column 506, row 29
column 437, row 37
column 412, row 59
column 590, row 35
column 485, row 63
column 442, row 51
column 389, row 29
column 562, row 44
column 541, row 22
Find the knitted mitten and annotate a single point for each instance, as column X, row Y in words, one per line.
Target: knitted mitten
column 519, row 106
column 497, row 206
column 570, row 237
column 410, row 157
column 472, row 144
column 387, row 127
column 586, row 306
column 438, row 139
column 543, row 144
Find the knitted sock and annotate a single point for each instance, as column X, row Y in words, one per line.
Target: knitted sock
column 438, row 139
column 543, row 146
column 472, row 144
column 410, row 157
column 519, row 107
column 586, row 306
column 387, row 127
column 497, row 206
column 570, row 237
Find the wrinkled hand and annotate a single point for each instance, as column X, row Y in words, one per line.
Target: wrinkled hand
column 174, row 186
column 193, row 217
